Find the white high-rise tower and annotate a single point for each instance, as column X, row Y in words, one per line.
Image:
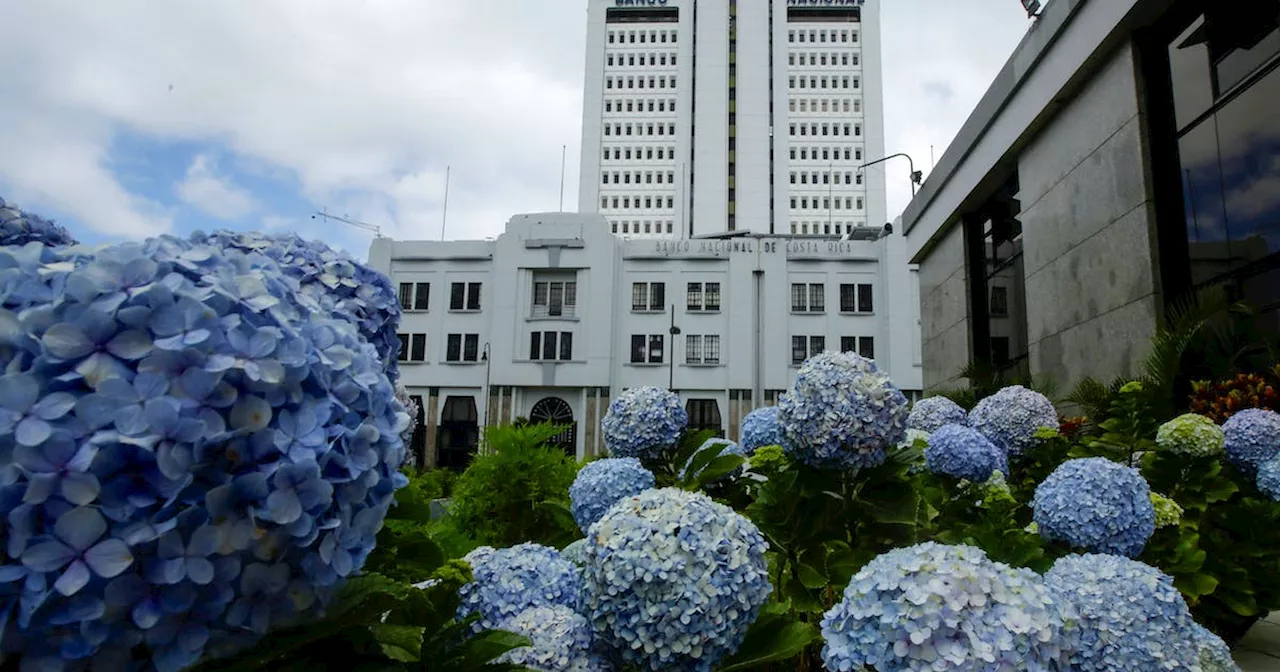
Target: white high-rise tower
column 706, row 116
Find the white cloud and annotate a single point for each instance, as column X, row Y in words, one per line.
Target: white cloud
column 212, row 194
column 366, row 103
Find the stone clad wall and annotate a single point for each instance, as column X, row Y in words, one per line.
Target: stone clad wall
column 1088, row 234
column 944, row 313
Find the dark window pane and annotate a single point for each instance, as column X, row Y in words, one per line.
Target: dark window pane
column 406, row 295
column 404, row 347
column 535, row 344
column 1242, row 37
column 1192, row 79
column 422, row 300
column 1000, row 350
column 799, row 298
column 848, row 299
column 711, row 299
column 639, row 296
column 867, row 347
column 693, row 296
column 817, row 298
column 657, row 296
column 999, row 301
column 1248, row 144
column 549, row 345
column 570, row 293
column 419, row 349
column 471, row 350
column 457, row 296
column 566, row 345
column 453, row 348
column 866, row 302
column 473, row 296
column 849, row 344
column 637, row 349
column 556, row 306
column 799, row 349
column 655, row 349
column 817, row 345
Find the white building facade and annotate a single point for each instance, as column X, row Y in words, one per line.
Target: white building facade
column 556, row 316
column 713, row 116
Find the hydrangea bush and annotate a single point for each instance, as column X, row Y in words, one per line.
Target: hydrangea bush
column 1192, row 435
column 1095, row 504
column 936, row 608
column 600, row 484
column 674, row 579
column 1011, row 417
column 1251, row 437
column 842, row 413
column 507, row 581
column 964, row 453
column 929, row 415
column 562, row 641
column 760, row 429
column 1128, row 615
column 1269, row 478
column 200, row 449
column 18, row 228
column 642, row 422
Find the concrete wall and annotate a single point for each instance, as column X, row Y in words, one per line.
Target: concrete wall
column 944, row 313
column 1087, row 220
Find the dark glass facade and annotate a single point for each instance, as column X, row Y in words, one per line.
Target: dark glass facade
column 997, row 283
column 1214, row 93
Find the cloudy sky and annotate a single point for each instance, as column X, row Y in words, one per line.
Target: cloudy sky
column 128, row 118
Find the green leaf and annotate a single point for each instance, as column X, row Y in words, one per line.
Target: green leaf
column 1220, row 489
column 811, row 577
column 399, row 642
column 700, row 460
column 771, row 639
column 800, row 596
column 842, row 564
column 895, row 506
column 724, row 464
column 486, row 646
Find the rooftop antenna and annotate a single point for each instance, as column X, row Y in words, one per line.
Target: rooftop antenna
column 324, row 214
column 563, row 153
column 444, row 216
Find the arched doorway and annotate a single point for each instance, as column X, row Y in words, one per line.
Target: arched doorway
column 557, row 412
column 459, row 433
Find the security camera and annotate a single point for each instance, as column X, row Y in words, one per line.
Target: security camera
column 1032, row 7
column 888, row 227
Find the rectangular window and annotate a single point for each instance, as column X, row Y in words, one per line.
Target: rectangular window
column 457, row 296
column 535, row 345
column 710, row 349
column 799, row 349
column 549, row 343
column 999, row 301
column 404, row 347
column 866, row 303
column 422, row 296
column 453, row 348
column 849, row 344
column 406, row 295
column 817, row 345
column 418, row 348
column 692, row 349
column 848, row 299
column 799, row 298
column 473, row 296
column 711, row 296
column 867, row 347
column 554, row 298
column 646, row 296
column 817, row 298
column 693, row 297
column 655, row 349
column 471, row 348
column 637, row 349
column 566, row 346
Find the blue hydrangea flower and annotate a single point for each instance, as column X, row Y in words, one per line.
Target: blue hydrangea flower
column 506, row 581
column 964, row 453
column 1251, row 437
column 841, row 412
column 730, row 448
column 562, row 641
column 1214, row 655
column 574, row 552
column 1127, row 615
column 935, row 608
column 929, row 415
column 1097, row 505
column 201, row 450
column 1010, row 418
column 759, row 429
column 600, row 484
column 642, row 422
column 19, row 228
column 1269, row 478
column 674, row 579
column 1192, row 435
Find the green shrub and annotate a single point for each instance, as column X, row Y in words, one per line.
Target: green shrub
column 438, row 483
column 517, row 491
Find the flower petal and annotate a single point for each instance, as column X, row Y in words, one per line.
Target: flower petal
column 200, row 571
column 131, row 345
column 72, row 580
column 32, row 431
column 18, row 392
column 80, row 528
column 66, row 341
column 109, row 558
column 80, row 488
column 48, row 556
column 53, row 406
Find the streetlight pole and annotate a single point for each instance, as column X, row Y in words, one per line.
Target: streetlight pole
column 671, row 369
column 916, row 176
column 488, row 366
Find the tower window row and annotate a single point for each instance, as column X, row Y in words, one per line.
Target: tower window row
column 650, row 226
column 825, row 203
column 642, row 37
column 639, row 153
column 650, row 177
column 641, row 129
column 816, row 82
column 640, row 60
column 826, row 154
column 811, row 58
column 637, row 202
column 819, row 36
column 811, row 104
column 824, row 228
column 641, row 105
column 638, row 82
column 812, row 178
column 827, row 129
